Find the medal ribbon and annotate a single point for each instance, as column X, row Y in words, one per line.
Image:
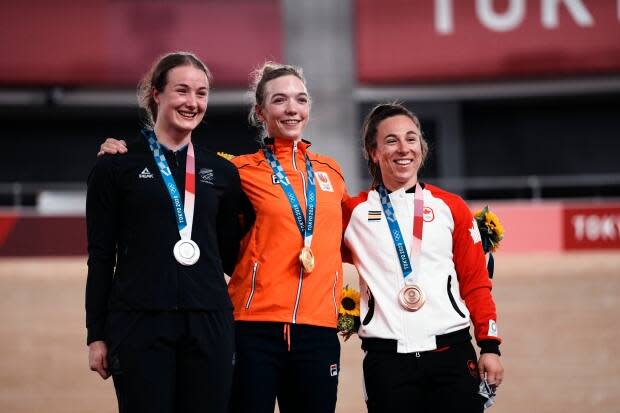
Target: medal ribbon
column 418, row 225
column 183, row 211
column 305, row 230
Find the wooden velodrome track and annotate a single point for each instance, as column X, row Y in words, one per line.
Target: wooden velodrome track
column 558, row 315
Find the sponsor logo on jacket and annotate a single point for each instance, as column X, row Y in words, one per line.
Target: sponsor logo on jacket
column 145, row 174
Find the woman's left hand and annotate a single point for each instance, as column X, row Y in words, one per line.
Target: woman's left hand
column 490, row 366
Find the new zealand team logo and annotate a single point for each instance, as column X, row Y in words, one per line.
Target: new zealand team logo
column 206, row 176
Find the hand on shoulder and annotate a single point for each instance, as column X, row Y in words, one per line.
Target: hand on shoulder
column 112, row 146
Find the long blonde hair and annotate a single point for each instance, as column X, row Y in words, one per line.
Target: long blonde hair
column 268, row 71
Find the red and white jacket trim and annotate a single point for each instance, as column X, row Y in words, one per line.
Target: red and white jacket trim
column 451, row 269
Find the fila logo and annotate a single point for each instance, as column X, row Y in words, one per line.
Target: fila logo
column 145, row 174
column 333, row 370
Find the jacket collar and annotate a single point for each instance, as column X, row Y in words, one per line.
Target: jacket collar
column 410, row 190
column 283, row 145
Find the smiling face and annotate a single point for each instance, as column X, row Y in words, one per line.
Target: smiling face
column 182, row 103
column 398, row 152
column 286, row 107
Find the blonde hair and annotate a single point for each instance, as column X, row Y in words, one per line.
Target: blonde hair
column 268, row 71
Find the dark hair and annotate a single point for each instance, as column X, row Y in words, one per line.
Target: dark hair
column 369, row 134
column 157, row 78
column 268, row 71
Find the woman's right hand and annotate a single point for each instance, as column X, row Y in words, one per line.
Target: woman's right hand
column 112, row 146
column 98, row 358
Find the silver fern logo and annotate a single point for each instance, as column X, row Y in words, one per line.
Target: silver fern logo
column 206, row 176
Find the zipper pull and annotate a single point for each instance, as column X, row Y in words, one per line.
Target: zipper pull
column 294, row 155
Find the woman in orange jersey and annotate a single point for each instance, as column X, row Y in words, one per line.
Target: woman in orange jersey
column 286, row 285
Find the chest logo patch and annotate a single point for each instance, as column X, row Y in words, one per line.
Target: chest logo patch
column 374, row 216
column 324, row 183
column 473, row 231
column 145, row 174
column 206, row 176
column 428, row 214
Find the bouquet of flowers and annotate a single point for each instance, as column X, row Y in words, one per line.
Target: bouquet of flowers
column 491, row 232
column 349, row 312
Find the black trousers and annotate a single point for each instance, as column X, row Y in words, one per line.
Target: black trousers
column 443, row 381
column 298, row 364
column 170, row 362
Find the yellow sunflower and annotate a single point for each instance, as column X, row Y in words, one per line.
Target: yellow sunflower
column 350, row 302
column 491, row 230
column 493, row 224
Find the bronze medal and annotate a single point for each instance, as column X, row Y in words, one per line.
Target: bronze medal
column 306, row 257
column 411, row 297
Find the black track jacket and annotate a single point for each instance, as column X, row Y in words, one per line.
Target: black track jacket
column 132, row 231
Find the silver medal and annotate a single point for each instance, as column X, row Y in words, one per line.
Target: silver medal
column 186, row 252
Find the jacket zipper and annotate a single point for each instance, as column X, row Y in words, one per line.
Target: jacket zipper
column 301, row 270
column 254, row 270
column 334, row 294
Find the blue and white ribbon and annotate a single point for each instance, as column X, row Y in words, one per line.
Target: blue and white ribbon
column 397, row 237
column 183, row 214
column 305, row 226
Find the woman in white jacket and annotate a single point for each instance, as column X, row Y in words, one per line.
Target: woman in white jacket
column 419, row 256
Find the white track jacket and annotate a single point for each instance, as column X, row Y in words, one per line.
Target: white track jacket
column 451, row 270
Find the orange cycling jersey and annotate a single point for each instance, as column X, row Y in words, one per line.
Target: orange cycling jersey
column 268, row 283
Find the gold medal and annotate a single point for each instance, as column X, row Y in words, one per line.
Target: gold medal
column 306, row 257
column 411, row 297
